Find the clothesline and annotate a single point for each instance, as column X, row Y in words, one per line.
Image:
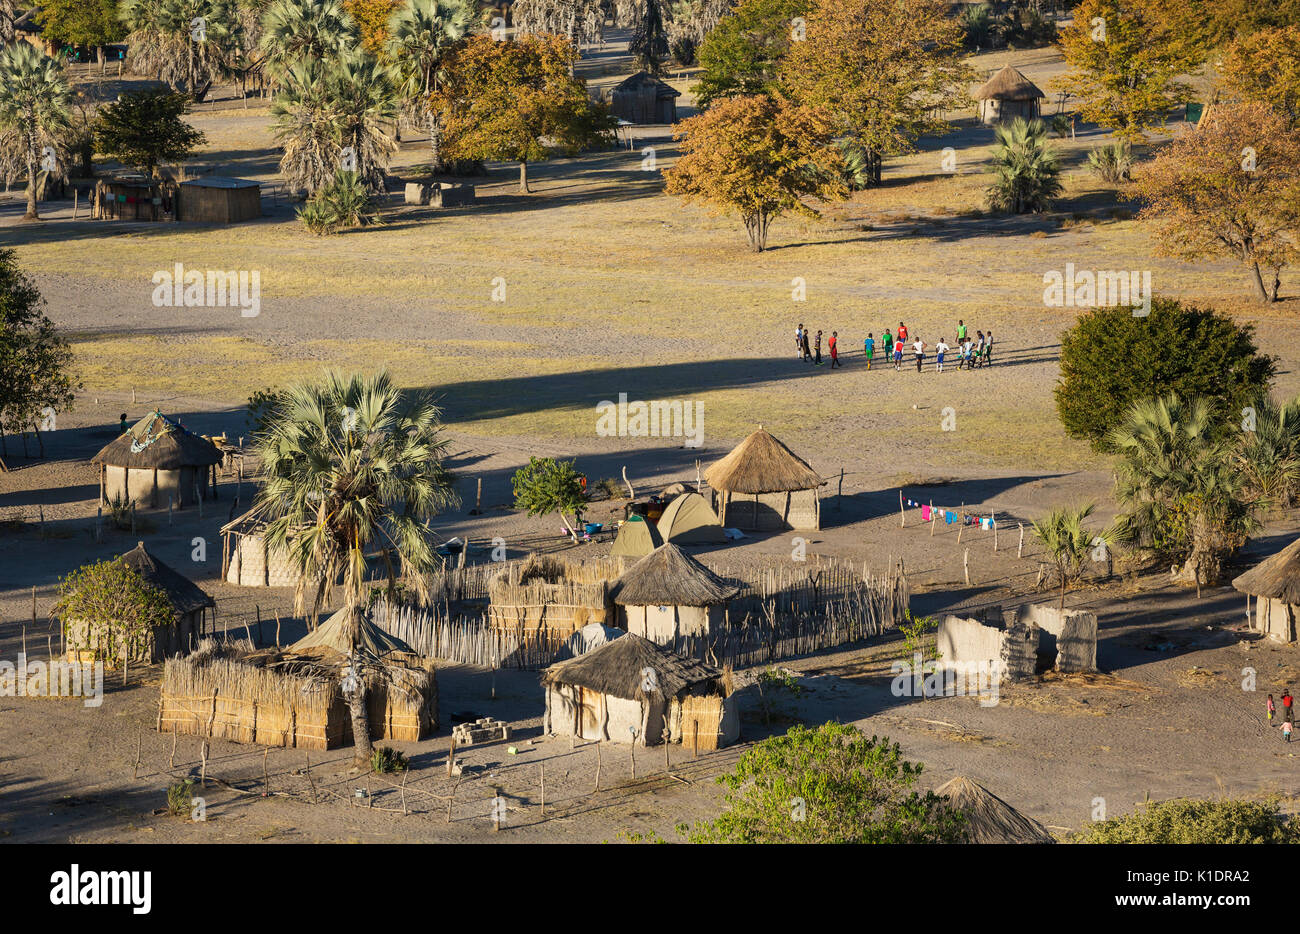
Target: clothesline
column 950, row 516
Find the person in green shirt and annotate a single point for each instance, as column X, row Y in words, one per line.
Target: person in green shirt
column 888, row 340
column 961, row 331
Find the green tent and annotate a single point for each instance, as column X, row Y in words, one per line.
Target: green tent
column 690, row 520
column 636, row 538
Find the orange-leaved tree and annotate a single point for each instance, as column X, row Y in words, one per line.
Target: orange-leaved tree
column 1229, row 187
column 759, row 157
column 1265, row 66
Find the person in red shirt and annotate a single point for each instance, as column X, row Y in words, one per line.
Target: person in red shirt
column 1287, row 699
column 902, row 332
column 833, row 344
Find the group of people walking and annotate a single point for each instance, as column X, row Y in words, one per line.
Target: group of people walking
column 968, row 353
column 1288, row 713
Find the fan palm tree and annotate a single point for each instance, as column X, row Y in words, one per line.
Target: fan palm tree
column 1066, row 541
column 1179, row 483
column 184, row 43
column 34, row 106
column 1269, row 453
column 364, row 92
column 308, row 125
column 1026, row 169
column 302, row 30
column 423, row 31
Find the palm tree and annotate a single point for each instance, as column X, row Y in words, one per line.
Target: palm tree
column 304, row 30
column 423, row 32
column 364, row 92
column 1178, row 480
column 308, row 126
column 1269, row 452
column 34, row 102
column 353, row 465
column 1027, row 170
column 1066, row 541
column 184, row 43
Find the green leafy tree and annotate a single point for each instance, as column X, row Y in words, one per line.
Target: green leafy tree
column 501, row 100
column 830, row 784
column 36, row 378
column 1181, row 821
column 145, row 129
column 423, row 32
column 1067, row 541
column 758, row 157
column 34, row 100
column 1112, row 358
column 1026, row 170
column 116, row 612
column 1176, row 481
column 91, row 23
column 742, row 55
column 546, row 486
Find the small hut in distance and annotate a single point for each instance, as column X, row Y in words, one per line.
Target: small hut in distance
column 763, row 485
column 216, row 199
column 643, row 98
column 989, row 819
column 669, row 594
column 156, row 461
column 1007, row 95
column 1275, row 583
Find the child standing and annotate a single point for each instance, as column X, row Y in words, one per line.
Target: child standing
column 898, row 355
column 1272, row 708
column 833, row 344
column 988, row 349
column 961, row 332
column 939, row 350
column 919, row 349
column 978, row 350
column 1286, row 730
column 869, row 348
column 902, row 331
column 798, row 342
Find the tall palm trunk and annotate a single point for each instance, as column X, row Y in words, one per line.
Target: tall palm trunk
column 435, row 140
column 31, row 214
column 523, row 179
column 363, row 745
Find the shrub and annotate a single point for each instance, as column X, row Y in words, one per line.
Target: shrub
column 341, row 204
column 386, row 759
column 1111, row 358
column 180, row 797
column 1026, row 170
column 1183, row 821
column 683, row 49
column 1112, row 163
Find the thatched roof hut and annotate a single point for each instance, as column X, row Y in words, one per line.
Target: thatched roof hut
column 1007, row 95
column 158, row 461
column 1275, row 582
column 247, row 557
column 690, row 520
column 644, row 98
column 632, row 684
column 334, row 637
column 668, row 594
column 636, row 538
column 763, row 485
column 989, row 818
column 88, row 640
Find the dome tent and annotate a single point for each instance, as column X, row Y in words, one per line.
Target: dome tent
column 636, row 538
column 690, row 520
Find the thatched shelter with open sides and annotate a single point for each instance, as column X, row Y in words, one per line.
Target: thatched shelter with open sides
column 989, row 819
column 294, row 697
column 764, row 486
column 156, row 462
column 636, row 538
column 644, row 98
column 1007, row 95
column 1275, row 585
column 690, row 520
column 215, row 199
column 548, row 594
column 668, row 594
column 632, row 684
column 89, row 641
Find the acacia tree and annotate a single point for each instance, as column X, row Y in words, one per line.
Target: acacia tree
column 742, row 54
column 422, row 34
column 831, row 784
column 1125, row 61
column 1231, row 187
column 92, row 23
column 759, row 157
column 883, row 69
column 501, row 99
column 1265, row 66
column 145, row 129
column 34, row 99
column 36, row 379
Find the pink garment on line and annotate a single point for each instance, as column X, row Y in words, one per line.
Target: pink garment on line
column 925, row 513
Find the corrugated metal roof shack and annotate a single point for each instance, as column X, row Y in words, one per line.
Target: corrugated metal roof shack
column 216, row 199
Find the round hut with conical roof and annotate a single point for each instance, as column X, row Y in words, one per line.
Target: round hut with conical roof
column 631, row 684
column 668, row 594
column 764, row 486
column 1007, row 95
column 156, row 462
column 1275, row 585
column 89, row 640
column 989, row 819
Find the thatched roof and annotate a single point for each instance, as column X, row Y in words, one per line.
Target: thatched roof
column 1276, row 577
column 332, row 637
column 762, row 464
column 185, row 595
column 643, row 79
column 989, row 819
column 669, row 576
column 158, row 441
column 1009, row 84
column 619, row 668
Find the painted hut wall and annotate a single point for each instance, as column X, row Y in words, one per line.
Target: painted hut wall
column 82, row 638
column 1275, row 619
column 768, row 512
column 218, row 205
column 662, row 624
column 252, row 564
column 139, row 485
